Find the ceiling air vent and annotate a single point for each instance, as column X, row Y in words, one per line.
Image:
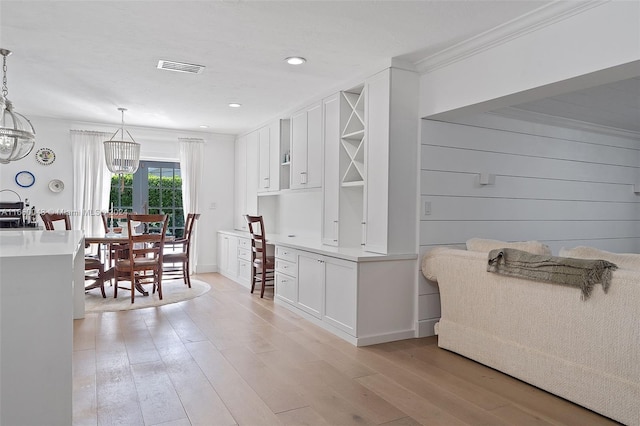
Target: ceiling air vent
column 180, row 67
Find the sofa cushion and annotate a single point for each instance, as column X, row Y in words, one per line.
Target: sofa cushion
column 629, row 261
column 486, row 245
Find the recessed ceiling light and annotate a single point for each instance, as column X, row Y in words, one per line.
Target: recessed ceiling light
column 235, row 105
column 204, row 126
column 295, row 60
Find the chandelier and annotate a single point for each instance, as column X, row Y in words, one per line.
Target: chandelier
column 17, row 136
column 122, row 156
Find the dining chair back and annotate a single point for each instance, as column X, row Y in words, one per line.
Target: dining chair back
column 50, row 220
column 181, row 251
column 145, row 252
column 90, row 263
column 262, row 264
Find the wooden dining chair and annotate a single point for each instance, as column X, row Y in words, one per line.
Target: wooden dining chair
column 114, row 250
column 262, row 264
column 145, row 252
column 90, row 263
column 182, row 255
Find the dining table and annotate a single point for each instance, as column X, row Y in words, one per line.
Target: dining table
column 112, row 240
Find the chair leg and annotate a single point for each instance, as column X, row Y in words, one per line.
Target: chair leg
column 263, row 281
column 101, row 280
column 133, row 284
column 253, row 278
column 185, row 271
column 115, row 288
column 159, row 278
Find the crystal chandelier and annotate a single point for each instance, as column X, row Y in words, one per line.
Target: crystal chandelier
column 17, row 136
column 122, row 156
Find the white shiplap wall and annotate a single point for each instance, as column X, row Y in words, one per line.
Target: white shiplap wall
column 562, row 186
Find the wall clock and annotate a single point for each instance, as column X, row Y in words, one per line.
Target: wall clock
column 25, row 179
column 45, row 156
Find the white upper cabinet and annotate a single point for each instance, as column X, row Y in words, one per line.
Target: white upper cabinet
column 273, row 144
column 264, row 160
column 306, row 147
column 246, row 179
column 331, row 176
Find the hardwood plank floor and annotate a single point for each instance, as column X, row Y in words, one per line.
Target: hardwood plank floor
column 231, row 358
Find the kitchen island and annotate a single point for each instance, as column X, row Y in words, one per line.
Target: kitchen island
column 41, row 292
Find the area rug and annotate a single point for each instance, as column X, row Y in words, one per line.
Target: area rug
column 173, row 291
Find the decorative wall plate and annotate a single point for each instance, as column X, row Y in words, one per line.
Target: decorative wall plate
column 56, row 185
column 45, row 156
column 25, row 179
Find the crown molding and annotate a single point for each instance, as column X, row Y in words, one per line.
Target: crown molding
column 527, row 23
column 553, row 120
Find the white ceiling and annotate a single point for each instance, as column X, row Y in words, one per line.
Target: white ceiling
column 614, row 105
column 81, row 60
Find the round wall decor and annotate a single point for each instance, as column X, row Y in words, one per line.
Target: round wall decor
column 45, row 156
column 25, row 179
column 56, row 185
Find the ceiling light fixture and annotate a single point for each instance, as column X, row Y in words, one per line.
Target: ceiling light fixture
column 295, row 60
column 235, row 105
column 204, row 126
column 122, row 156
column 17, row 136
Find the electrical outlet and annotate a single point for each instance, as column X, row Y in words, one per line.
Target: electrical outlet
column 213, row 206
column 426, row 208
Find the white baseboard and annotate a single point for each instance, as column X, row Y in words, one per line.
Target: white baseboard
column 425, row 328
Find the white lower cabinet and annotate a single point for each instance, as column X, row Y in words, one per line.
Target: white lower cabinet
column 234, row 258
column 310, row 282
column 340, row 294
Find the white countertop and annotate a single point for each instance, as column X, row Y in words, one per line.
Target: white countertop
column 39, row 243
column 315, row 246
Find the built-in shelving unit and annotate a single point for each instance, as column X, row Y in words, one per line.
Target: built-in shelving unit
column 352, row 137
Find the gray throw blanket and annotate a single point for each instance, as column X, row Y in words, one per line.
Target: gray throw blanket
column 580, row 273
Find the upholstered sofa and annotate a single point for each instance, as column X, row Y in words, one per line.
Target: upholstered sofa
column 587, row 351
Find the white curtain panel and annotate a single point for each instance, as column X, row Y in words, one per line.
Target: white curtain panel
column 91, row 180
column 191, row 163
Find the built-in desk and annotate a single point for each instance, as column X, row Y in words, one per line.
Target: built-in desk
column 365, row 298
column 41, row 292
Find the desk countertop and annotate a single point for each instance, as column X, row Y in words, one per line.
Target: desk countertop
column 315, row 246
column 22, row 243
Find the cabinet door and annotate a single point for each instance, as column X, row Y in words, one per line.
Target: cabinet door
column 331, row 176
column 275, row 157
column 310, row 283
column 240, row 192
column 264, row 159
column 341, row 281
column 223, row 253
column 314, row 146
column 233, row 257
column 286, row 288
column 252, row 175
column 299, row 150
column 377, row 164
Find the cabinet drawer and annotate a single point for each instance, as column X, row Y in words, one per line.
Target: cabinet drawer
column 244, row 270
column 286, row 288
column 244, row 243
column 286, row 254
column 244, row 254
column 286, row 267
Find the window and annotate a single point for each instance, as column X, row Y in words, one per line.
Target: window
column 155, row 188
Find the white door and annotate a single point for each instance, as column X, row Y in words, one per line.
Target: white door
column 331, row 177
column 264, row 159
column 314, row 146
column 299, row 150
column 240, row 193
column 310, row 283
column 252, row 175
column 223, row 253
column 341, row 284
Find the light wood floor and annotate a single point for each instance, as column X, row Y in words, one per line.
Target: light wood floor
column 229, row 358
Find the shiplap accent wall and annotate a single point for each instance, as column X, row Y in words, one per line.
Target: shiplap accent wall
column 564, row 187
